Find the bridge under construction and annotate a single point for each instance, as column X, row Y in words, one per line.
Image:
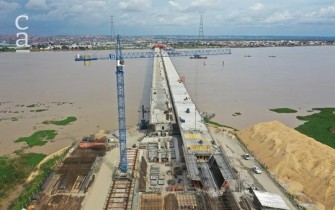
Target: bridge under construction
column 197, row 173
column 175, row 163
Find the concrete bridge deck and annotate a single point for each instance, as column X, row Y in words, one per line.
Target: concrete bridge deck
column 199, row 146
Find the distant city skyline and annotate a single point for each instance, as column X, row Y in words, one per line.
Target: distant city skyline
column 173, row 17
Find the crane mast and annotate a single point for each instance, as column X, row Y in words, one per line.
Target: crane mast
column 121, row 107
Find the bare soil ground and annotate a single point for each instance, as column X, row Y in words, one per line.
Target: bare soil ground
column 305, row 167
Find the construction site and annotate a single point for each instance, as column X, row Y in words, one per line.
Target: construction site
column 183, row 167
column 174, row 163
column 65, row 188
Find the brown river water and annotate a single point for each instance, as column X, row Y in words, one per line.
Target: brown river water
column 300, row 78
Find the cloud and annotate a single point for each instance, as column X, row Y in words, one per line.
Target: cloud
column 279, row 17
column 8, row 6
column 174, row 4
column 37, row 4
column 328, row 12
column 135, row 5
column 79, row 11
column 138, row 16
column 256, row 7
column 202, row 3
column 195, row 5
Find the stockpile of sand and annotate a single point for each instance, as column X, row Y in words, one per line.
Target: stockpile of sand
column 305, row 167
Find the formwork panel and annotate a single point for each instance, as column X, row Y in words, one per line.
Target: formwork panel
column 151, row 201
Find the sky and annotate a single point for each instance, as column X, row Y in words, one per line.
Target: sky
column 170, row 17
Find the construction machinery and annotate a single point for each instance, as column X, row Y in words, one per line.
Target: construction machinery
column 119, row 57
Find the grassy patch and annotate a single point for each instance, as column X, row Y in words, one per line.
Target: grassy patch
column 61, row 122
column 237, row 114
column 34, row 186
column 284, row 110
column 32, row 159
column 39, row 110
column 218, row 124
column 32, row 105
column 39, row 138
column 320, row 126
column 14, row 170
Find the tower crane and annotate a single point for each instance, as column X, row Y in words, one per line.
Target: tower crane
column 121, row 107
column 119, row 57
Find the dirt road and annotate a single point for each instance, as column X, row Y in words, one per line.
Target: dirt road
column 235, row 150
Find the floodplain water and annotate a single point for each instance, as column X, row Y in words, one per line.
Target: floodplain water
column 253, row 80
column 250, row 81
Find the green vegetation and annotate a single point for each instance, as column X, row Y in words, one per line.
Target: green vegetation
column 32, row 105
column 237, row 114
column 284, row 110
column 60, row 103
column 39, row 138
column 61, row 122
column 14, row 170
column 218, row 124
column 6, row 49
column 34, row 186
column 320, row 126
column 39, row 110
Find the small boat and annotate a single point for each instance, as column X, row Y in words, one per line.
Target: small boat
column 198, row 57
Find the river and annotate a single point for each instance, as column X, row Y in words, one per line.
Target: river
column 247, row 81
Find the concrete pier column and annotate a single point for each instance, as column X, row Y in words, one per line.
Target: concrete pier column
column 168, row 151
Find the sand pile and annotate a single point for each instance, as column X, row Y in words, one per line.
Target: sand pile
column 305, row 167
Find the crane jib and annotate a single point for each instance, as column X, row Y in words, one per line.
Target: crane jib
column 163, row 53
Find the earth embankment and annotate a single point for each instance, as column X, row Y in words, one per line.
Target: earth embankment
column 305, row 167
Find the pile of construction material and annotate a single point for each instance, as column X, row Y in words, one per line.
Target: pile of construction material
column 305, row 167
